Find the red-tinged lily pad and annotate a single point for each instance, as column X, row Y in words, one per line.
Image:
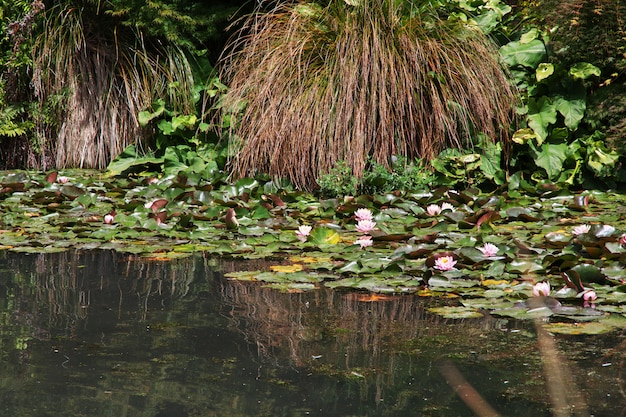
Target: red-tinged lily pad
column 582, row 274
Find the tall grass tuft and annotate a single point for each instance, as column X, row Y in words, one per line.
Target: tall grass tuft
column 329, row 81
column 91, row 79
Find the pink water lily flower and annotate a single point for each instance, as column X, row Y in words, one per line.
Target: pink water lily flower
column 109, row 218
column 364, row 241
column 622, row 240
column 541, row 289
column 489, row 249
column 363, row 214
column 365, row 226
column 581, row 229
column 433, row 210
column 445, row 263
column 590, row 295
column 303, row 232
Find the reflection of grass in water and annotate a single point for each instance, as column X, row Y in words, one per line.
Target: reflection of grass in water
column 64, row 284
column 379, row 345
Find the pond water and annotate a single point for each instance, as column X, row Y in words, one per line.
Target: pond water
column 107, row 334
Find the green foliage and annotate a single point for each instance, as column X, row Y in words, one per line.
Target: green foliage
column 339, row 181
column 402, row 176
column 193, row 25
column 12, row 123
column 557, row 144
column 184, row 143
column 378, row 179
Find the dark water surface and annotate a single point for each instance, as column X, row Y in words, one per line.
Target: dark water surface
column 108, row 334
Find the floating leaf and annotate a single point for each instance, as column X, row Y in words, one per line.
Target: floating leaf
column 324, row 235
column 456, row 312
column 287, row 269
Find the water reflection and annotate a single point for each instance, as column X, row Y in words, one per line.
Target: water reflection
column 108, row 334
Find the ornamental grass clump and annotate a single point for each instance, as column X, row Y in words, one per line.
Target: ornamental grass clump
column 324, row 82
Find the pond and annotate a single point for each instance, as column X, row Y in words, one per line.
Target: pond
column 102, row 333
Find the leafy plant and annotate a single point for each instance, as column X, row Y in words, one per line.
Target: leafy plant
column 339, row 181
column 556, row 145
column 12, row 123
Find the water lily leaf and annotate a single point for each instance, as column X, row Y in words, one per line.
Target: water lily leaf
column 521, row 213
column 595, row 327
column 439, row 281
column 293, row 287
column 524, row 266
column 602, row 230
column 71, row 191
column 324, row 235
column 456, row 312
column 585, row 274
column 558, row 239
column 287, row 269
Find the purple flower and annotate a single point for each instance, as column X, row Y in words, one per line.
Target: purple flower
column 363, row 214
column 489, row 249
column 445, row 263
column 365, row 226
column 303, row 232
column 364, row 241
column 541, row 289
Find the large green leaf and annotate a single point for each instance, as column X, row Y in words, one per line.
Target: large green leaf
column 529, row 54
column 541, row 114
column 584, row 70
column 129, row 160
column 573, row 110
column 551, row 158
column 490, row 163
column 543, row 71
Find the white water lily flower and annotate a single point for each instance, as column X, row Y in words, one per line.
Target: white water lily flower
column 303, row 232
column 447, row 206
column 581, row 229
column 541, row 289
column 433, row 210
column 363, row 214
column 365, row 226
column 364, row 241
column 489, row 249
